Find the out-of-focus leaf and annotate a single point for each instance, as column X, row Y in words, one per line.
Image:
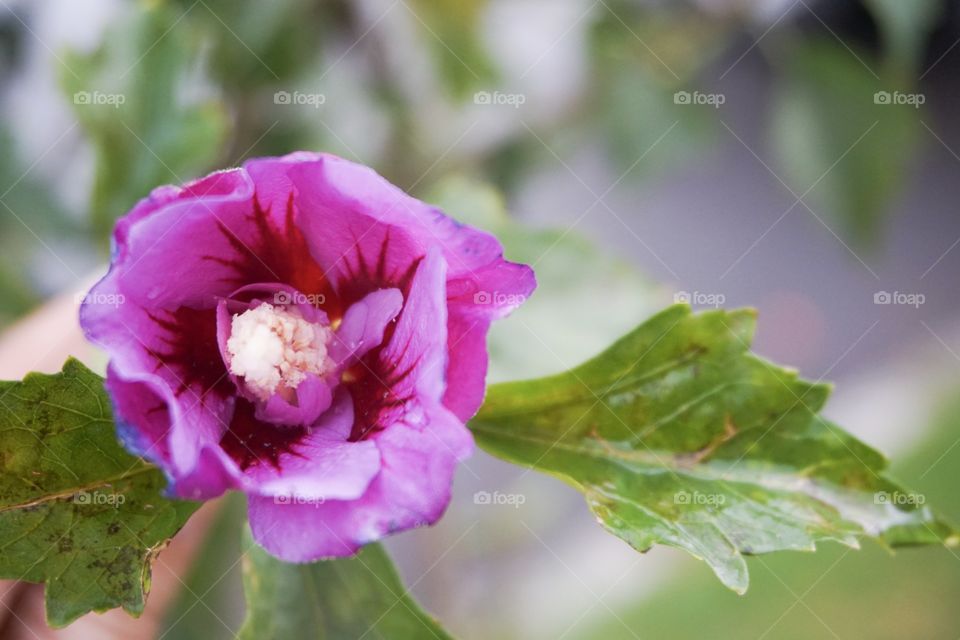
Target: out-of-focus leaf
column 642, row 59
column 206, row 608
column 21, row 193
column 840, row 134
column 76, row 510
column 905, row 27
column 677, row 435
column 15, row 296
column 133, row 98
column 452, row 31
column 565, row 321
column 257, row 43
column 639, row 116
column 27, row 210
column 353, row 597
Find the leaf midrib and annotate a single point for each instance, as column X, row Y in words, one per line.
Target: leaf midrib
column 66, row 493
column 653, row 462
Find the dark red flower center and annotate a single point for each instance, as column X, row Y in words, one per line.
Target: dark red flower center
column 279, row 254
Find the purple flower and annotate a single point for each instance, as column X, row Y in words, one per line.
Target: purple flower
column 303, row 331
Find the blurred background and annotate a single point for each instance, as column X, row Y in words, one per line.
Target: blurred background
column 796, row 156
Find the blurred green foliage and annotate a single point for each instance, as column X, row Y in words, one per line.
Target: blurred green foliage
column 840, row 138
column 905, row 27
column 208, row 606
column 639, row 60
column 198, row 81
column 351, row 597
column 159, row 127
column 252, row 43
column 27, row 212
column 452, row 30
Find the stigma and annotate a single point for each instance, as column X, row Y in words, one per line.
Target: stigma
column 274, row 349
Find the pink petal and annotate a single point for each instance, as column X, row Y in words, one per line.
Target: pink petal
column 412, row 490
column 323, row 465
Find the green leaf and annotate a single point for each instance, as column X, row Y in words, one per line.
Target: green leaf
column 353, row 597
column 536, row 340
column 843, row 152
column 76, row 510
column 678, row 435
column 452, row 30
column 206, row 607
column 258, row 43
column 850, row 593
column 905, row 27
column 640, row 58
column 28, row 209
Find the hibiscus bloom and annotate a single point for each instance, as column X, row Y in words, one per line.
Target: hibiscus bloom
column 303, row 331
